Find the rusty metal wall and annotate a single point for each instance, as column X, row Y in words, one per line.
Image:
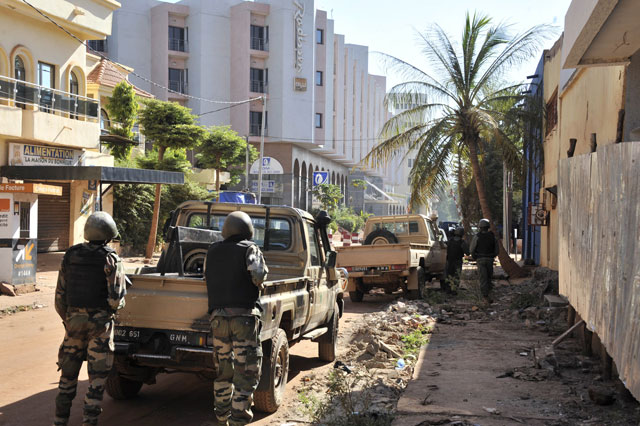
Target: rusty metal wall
column 599, row 249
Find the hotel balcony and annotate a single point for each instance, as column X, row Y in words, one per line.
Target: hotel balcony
column 38, row 113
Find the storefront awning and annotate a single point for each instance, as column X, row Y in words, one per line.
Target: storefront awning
column 97, row 173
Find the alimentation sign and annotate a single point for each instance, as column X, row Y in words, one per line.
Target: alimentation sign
column 41, row 155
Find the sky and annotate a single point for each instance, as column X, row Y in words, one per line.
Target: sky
column 392, row 26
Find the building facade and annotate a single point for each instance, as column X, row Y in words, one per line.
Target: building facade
column 324, row 110
column 47, row 119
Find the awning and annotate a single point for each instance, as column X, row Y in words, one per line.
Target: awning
column 97, row 173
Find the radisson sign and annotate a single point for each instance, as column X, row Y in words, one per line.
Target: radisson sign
column 300, row 35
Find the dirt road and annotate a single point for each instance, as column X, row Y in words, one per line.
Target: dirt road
column 28, row 378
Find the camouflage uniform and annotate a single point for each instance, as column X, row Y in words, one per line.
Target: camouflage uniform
column 88, row 335
column 484, row 249
column 238, row 352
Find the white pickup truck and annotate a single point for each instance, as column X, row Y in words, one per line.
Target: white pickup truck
column 403, row 251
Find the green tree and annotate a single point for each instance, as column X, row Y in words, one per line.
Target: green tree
column 123, row 110
column 328, row 195
column 222, row 149
column 170, row 126
column 458, row 108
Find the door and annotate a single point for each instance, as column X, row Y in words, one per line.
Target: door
column 317, row 274
column 53, row 220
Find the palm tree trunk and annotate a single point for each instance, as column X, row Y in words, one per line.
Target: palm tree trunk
column 151, row 244
column 509, row 266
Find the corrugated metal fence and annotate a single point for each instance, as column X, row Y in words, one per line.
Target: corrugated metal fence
column 599, row 248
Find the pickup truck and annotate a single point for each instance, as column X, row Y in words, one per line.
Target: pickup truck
column 405, row 251
column 165, row 326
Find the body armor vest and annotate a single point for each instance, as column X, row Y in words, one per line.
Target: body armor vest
column 229, row 283
column 454, row 248
column 85, row 278
column 486, row 246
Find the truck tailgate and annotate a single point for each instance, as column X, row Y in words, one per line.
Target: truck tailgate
column 164, row 302
column 378, row 255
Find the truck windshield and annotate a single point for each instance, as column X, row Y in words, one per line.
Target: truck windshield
column 279, row 229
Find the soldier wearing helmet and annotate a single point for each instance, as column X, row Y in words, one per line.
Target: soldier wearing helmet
column 235, row 271
column 484, row 249
column 457, row 248
column 91, row 288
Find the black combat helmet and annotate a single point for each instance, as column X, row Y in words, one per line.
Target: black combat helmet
column 459, row 232
column 100, row 227
column 484, row 224
column 237, row 223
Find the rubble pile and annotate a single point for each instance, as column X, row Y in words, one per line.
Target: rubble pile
column 378, row 364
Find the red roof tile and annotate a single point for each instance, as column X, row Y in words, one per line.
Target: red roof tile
column 107, row 74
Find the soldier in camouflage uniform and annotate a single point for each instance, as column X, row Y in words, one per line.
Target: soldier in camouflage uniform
column 484, row 249
column 91, row 287
column 234, row 272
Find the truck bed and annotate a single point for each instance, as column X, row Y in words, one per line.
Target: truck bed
column 172, row 302
column 357, row 259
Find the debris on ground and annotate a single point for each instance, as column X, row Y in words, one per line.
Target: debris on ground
column 21, row 308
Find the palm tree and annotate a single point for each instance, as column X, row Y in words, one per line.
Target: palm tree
column 460, row 111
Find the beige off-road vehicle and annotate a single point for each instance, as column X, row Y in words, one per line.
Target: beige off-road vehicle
column 404, row 251
column 165, row 326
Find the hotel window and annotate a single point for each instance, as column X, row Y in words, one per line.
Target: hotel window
column 318, row 120
column 255, row 123
column 177, row 39
column 259, row 38
column 318, row 78
column 319, row 36
column 258, row 80
column 178, row 79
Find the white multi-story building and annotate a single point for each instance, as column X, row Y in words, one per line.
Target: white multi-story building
column 324, row 110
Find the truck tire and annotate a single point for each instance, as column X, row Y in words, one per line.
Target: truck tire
column 194, row 261
column 380, row 236
column 356, row 296
column 119, row 387
column 275, row 370
column 328, row 342
column 422, row 282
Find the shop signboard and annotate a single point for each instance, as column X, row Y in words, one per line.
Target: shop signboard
column 24, row 261
column 270, row 166
column 267, row 186
column 320, row 178
column 41, row 155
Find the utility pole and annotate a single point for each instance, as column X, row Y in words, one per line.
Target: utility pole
column 246, row 160
column 264, row 117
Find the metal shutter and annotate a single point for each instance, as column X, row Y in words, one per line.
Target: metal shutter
column 53, row 220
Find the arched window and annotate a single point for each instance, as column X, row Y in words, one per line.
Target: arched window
column 19, row 70
column 104, row 120
column 74, row 86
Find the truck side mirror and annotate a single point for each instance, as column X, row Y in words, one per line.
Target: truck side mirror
column 331, row 259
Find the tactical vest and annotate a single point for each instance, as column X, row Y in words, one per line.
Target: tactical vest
column 229, row 283
column 86, row 282
column 486, row 245
column 454, row 248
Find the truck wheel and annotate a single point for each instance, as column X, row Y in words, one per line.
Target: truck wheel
column 328, row 342
column 380, row 236
column 119, row 387
column 275, row 370
column 356, row 296
column 194, row 261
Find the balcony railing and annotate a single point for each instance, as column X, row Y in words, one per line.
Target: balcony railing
column 258, row 86
column 178, row 45
column 178, row 86
column 259, row 43
column 22, row 93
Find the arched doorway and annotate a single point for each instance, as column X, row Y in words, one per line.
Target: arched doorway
column 296, row 184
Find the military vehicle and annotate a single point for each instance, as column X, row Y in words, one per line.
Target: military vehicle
column 165, row 326
column 400, row 251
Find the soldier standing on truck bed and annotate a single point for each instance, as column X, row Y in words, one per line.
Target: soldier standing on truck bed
column 234, row 272
column 484, row 249
column 91, row 288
